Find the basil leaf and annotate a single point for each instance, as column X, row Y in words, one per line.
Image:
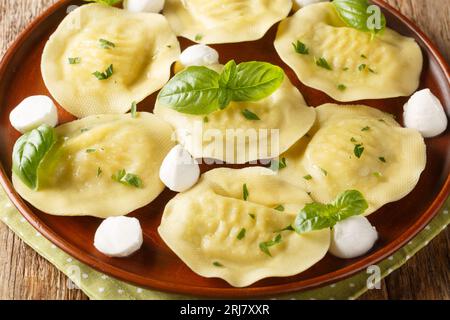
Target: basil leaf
column 361, row 15
column 199, row 90
column 192, row 91
column 29, row 152
column 255, row 81
column 349, row 203
column 318, row 216
column 229, row 72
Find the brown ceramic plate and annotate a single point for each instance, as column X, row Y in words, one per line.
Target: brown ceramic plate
column 155, row 266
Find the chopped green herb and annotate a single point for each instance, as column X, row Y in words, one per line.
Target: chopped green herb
column 300, row 47
column 198, row 37
column 99, row 172
column 371, row 70
column 245, row 193
column 134, row 113
column 104, row 75
column 278, row 165
column 325, row 172
column 84, row 130
column 323, row 63
column 342, row 87
column 345, row 69
column 241, row 234
column 308, row 177
column 264, row 246
column 363, row 56
column 252, row 215
column 129, row 179
column 362, row 67
column 91, row 150
column 288, row 228
column 382, row 159
column 105, row 44
column 377, row 174
column 353, row 140
column 205, row 119
column 382, row 120
column 76, row 60
column 249, row 115
column 217, row 264
column 366, row 128
column 279, row 208
column 358, row 150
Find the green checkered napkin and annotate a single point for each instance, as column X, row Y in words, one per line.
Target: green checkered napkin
column 99, row 286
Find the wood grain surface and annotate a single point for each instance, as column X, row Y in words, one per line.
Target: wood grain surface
column 25, row 275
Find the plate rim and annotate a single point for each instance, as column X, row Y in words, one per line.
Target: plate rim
column 248, row 292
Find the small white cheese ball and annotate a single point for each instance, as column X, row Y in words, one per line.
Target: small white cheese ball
column 33, row 112
column 425, row 113
column 119, row 237
column 304, row 3
column 179, row 171
column 352, row 237
column 199, row 55
column 154, row 6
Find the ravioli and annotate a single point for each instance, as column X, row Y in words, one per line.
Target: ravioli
column 226, row 135
column 75, row 179
column 204, row 227
column 391, row 158
column 389, row 65
column 224, row 21
column 140, row 47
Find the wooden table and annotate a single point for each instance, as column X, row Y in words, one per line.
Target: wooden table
column 25, row 275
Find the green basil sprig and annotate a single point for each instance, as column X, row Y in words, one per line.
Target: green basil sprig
column 201, row 91
column 318, row 216
column 358, row 14
column 29, row 152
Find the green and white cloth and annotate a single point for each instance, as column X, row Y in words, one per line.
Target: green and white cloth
column 102, row 287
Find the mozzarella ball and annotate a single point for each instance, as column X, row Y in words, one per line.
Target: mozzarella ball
column 352, row 237
column 179, row 171
column 154, row 6
column 119, row 237
column 33, row 112
column 425, row 113
column 199, row 55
